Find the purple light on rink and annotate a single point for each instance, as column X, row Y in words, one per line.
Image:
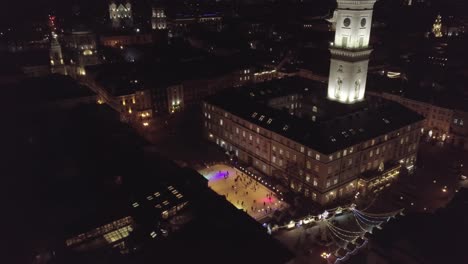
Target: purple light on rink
column 214, row 176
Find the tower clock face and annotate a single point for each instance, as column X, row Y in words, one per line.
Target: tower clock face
column 363, row 22
column 347, row 22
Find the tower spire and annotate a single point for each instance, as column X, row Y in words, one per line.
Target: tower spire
column 350, row 50
column 55, row 50
column 437, row 27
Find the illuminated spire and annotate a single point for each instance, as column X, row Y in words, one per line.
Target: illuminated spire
column 437, row 27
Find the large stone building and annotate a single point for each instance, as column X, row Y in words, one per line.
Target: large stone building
column 120, row 14
column 324, row 144
column 445, row 120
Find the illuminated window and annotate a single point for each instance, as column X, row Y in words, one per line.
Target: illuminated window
column 302, row 149
column 220, row 122
column 315, row 182
column 317, row 156
column 308, row 165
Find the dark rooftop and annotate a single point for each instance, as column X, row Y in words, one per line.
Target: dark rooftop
column 73, row 170
column 119, row 78
column 51, row 88
column 447, row 96
column 339, row 126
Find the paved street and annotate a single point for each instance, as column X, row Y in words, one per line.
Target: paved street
column 242, row 191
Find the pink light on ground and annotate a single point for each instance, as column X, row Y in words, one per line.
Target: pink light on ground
column 267, row 200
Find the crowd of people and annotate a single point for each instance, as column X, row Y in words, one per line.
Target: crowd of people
column 241, row 186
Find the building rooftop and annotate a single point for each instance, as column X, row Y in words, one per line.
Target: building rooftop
column 49, row 89
column 338, row 125
column 76, row 169
column 119, row 78
column 450, row 97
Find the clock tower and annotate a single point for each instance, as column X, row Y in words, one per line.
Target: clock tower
column 350, row 50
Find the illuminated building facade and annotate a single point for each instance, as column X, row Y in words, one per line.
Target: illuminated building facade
column 82, row 50
column 437, row 27
column 158, row 18
column 322, row 149
column 350, row 51
column 120, row 14
column 441, row 123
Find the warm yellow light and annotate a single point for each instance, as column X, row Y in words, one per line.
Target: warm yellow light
column 129, row 110
column 145, row 124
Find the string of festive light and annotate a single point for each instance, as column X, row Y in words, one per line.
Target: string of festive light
column 345, row 235
column 359, row 224
column 338, row 236
column 393, row 213
column 373, row 221
column 369, row 221
column 343, row 230
column 371, row 218
column 360, row 221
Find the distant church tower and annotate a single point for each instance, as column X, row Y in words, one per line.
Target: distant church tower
column 437, row 27
column 55, row 51
column 158, row 18
column 120, row 13
column 350, row 50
